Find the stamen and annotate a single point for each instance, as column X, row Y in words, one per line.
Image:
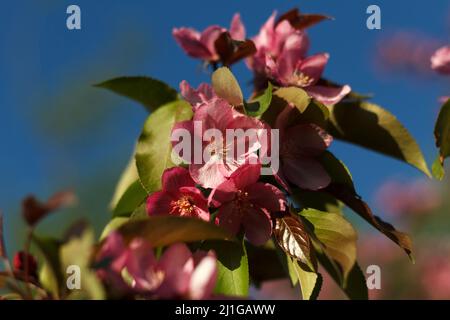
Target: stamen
column 185, row 205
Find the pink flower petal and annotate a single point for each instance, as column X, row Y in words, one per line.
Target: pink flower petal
column 298, row 41
column 313, row 66
column 209, row 37
column 246, row 175
column 141, row 259
column 196, row 97
column 175, row 178
column 210, row 174
column 114, row 248
column 443, row 99
column 177, row 265
column 287, row 39
column 258, row 226
column 328, row 95
column 281, row 179
column 305, row 139
column 218, row 114
column 182, row 133
column 237, row 29
column 203, row 278
column 306, row 173
column 440, row 61
column 284, row 66
column 229, row 218
column 266, row 196
column 159, row 203
column 189, row 40
column 266, row 34
column 223, row 193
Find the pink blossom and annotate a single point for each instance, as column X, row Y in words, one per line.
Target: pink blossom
column 444, row 99
column 405, row 52
column 177, row 274
column 440, row 61
column 273, row 39
column 436, row 277
column 300, row 145
column 243, row 201
column 289, row 70
column 201, row 44
column 197, row 97
column 418, row 197
column 178, row 196
column 220, row 156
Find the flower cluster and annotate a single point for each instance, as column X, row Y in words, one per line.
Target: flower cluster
column 281, row 56
column 219, row 183
column 177, row 274
column 232, row 179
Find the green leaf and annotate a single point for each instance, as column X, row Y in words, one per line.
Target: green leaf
column 264, row 263
column 77, row 251
column 310, row 282
column 349, row 197
column 442, row 131
column 259, row 105
column 129, row 192
column 50, row 274
column 321, row 201
column 114, row 224
column 165, row 230
column 294, row 95
column 336, row 235
column 153, row 151
column 150, row 92
column 48, row 280
column 140, row 212
column 130, row 200
column 438, row 169
column 293, row 239
column 337, row 170
column 373, row 127
column 226, row 86
column 233, row 272
column 342, row 189
column 354, row 286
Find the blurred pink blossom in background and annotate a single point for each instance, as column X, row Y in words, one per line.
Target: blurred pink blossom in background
column 416, row 197
column 440, row 60
column 435, row 277
column 406, row 51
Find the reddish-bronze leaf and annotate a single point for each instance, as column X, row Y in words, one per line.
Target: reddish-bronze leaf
column 231, row 51
column 300, row 20
column 354, row 202
column 293, row 238
column 33, row 210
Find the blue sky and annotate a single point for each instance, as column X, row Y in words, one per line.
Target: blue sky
column 57, row 131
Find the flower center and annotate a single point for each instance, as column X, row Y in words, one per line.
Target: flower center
column 300, row 79
column 241, row 201
column 155, row 278
column 184, row 205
